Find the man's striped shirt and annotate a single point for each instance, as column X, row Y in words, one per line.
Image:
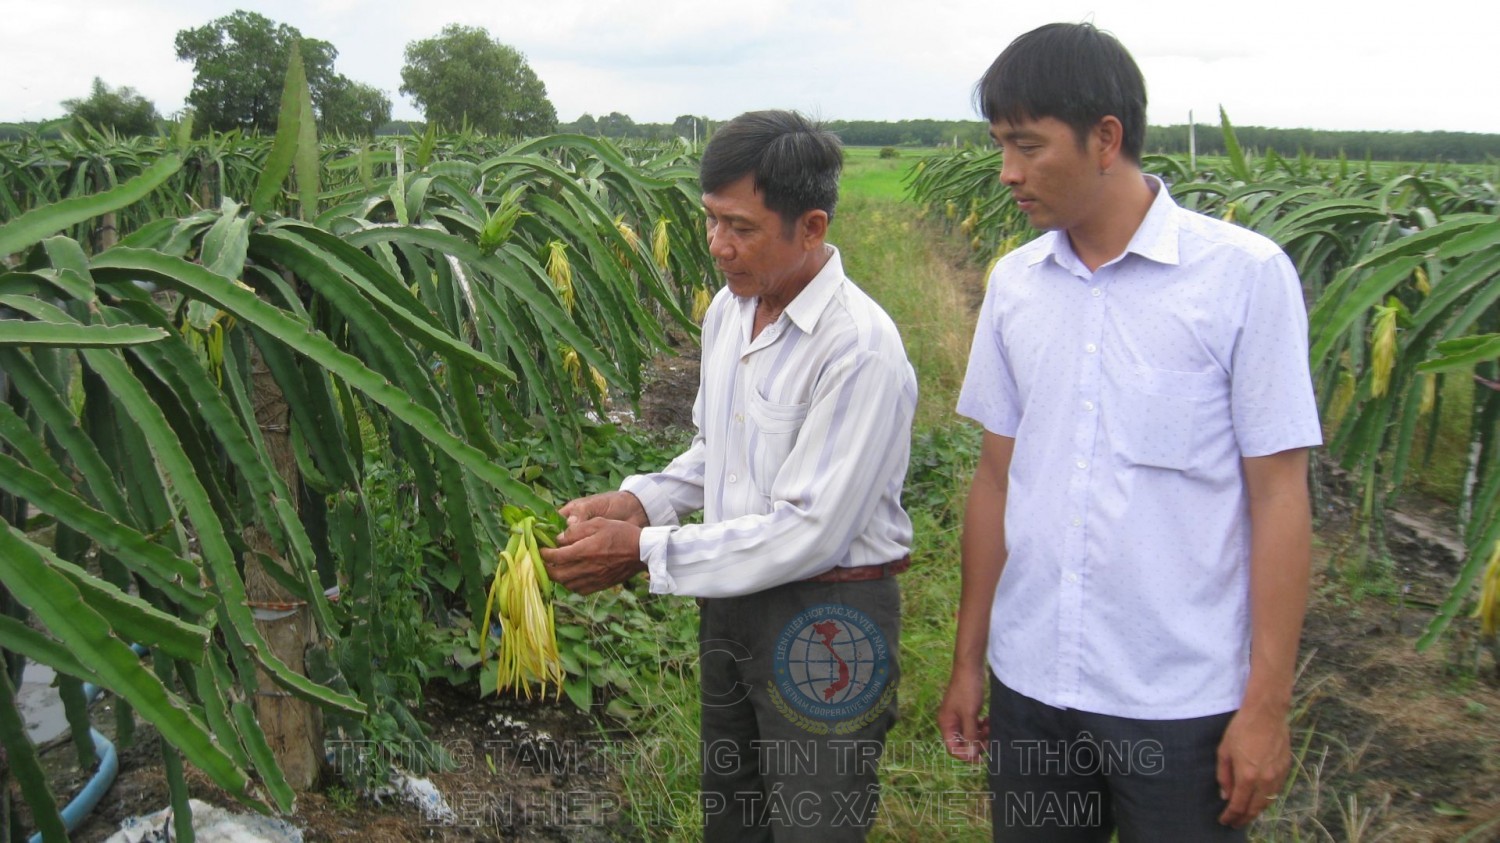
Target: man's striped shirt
column 803, row 437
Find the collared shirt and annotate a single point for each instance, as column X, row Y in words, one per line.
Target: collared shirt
column 1133, row 392
column 804, row 433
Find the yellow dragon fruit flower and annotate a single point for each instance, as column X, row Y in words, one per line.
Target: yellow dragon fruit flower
column 632, row 242
column 661, row 246
column 701, row 301
column 632, row 239
column 571, row 364
column 1488, row 610
column 560, row 271
column 1006, row 247
column 1383, row 349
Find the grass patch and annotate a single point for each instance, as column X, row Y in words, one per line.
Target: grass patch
column 867, row 175
column 922, row 281
column 926, row 794
column 661, row 785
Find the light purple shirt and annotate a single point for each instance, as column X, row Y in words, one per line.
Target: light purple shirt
column 1132, row 393
column 804, row 433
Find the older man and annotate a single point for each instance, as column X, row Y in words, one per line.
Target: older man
column 803, row 419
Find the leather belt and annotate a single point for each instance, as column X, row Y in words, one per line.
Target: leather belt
column 863, row 572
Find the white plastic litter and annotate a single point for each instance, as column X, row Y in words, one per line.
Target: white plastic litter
column 210, row 824
column 424, row 794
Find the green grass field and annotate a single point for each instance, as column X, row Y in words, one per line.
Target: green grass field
column 867, row 175
column 930, row 288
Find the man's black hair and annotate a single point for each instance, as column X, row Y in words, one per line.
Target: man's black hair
column 1071, row 72
column 795, row 162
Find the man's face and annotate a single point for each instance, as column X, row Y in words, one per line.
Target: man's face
column 751, row 246
column 1051, row 176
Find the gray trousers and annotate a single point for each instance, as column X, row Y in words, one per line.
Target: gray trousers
column 798, row 691
column 1067, row 776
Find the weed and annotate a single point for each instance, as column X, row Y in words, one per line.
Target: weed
column 1376, row 578
column 342, row 799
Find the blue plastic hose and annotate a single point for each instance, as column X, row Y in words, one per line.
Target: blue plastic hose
column 87, row 799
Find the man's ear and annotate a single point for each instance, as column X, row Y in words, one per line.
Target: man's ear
column 1108, row 135
column 814, row 228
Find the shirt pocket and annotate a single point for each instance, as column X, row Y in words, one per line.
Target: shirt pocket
column 1161, row 415
column 773, row 434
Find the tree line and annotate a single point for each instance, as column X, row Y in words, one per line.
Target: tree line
column 853, row 132
column 1456, row 147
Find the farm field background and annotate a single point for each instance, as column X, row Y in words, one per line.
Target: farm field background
column 440, row 264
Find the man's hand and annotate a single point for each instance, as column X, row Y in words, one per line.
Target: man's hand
column 616, row 506
column 596, row 553
column 1256, row 750
column 1254, row 758
column 965, row 733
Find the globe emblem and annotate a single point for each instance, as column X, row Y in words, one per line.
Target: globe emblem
column 832, row 662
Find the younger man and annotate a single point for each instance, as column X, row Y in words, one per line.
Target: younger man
column 1141, row 375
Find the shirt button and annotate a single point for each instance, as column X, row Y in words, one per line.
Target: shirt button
column 1082, row 464
column 1070, row 577
column 1088, row 405
column 1077, row 522
column 733, row 478
column 739, row 417
column 1091, row 348
column 1096, row 292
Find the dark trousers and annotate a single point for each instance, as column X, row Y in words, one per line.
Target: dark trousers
column 798, row 691
column 1066, row 776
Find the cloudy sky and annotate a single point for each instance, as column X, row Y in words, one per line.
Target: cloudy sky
column 1284, row 63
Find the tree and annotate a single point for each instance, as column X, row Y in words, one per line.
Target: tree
column 465, row 76
column 617, row 125
column 352, row 108
column 239, row 64
column 120, row 109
